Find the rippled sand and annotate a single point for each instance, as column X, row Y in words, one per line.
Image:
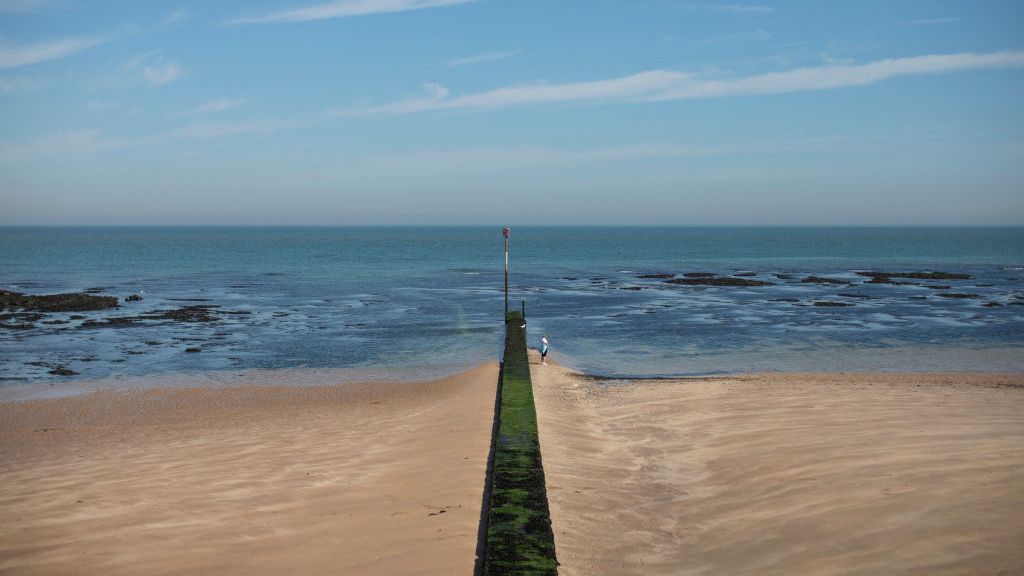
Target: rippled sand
column 785, row 474
column 377, row 478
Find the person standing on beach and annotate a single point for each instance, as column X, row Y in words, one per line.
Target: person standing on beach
column 544, row 350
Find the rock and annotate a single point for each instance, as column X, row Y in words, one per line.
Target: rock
column 831, row 304
column 883, row 277
column 933, row 276
column 745, row 274
column 55, row 321
column 784, row 276
column 784, row 300
column 63, row 371
column 937, row 286
column 822, row 280
column 699, row 274
column 193, row 350
column 73, row 302
column 197, row 313
column 720, row 281
column 656, row 276
column 631, row 288
column 133, row 298
column 992, row 305
column 852, row 295
column 21, row 326
column 958, row 296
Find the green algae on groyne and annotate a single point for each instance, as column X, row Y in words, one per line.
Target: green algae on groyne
column 519, row 535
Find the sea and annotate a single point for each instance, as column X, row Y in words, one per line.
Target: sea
column 419, row 302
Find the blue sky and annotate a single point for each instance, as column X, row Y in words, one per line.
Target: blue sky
column 511, row 111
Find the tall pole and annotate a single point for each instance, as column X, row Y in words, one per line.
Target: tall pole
column 506, row 232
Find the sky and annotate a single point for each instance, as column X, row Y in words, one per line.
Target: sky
column 465, row 112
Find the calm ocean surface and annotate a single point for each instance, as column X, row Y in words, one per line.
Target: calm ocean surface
column 430, row 299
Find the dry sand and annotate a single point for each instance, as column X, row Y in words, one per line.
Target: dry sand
column 785, row 474
column 349, row 479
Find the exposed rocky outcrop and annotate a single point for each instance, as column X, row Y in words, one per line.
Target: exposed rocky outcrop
column 72, row 302
column 958, row 295
column 63, row 371
column 197, row 313
column 823, row 280
column 886, row 277
column 700, row 275
column 717, row 281
column 658, row 276
column 831, row 304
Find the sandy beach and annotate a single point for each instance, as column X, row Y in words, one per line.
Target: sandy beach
column 785, row 473
column 375, row 478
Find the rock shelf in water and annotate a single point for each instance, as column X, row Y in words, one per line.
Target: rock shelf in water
column 72, row 302
column 717, row 281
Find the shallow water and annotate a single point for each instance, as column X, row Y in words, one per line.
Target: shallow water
column 356, row 298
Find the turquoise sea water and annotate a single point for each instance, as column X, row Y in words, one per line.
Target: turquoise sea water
column 431, row 298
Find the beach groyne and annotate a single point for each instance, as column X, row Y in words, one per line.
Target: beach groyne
column 519, row 535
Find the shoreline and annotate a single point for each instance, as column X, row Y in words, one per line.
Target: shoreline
column 784, row 473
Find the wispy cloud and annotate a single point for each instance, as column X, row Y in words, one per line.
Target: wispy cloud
column 934, row 21
column 660, row 85
column 91, row 141
column 154, row 68
column 29, row 6
column 211, row 130
column 18, row 86
column 12, row 56
column 617, row 89
column 742, row 8
column 173, row 18
column 212, row 106
column 840, row 75
column 344, row 9
column 481, row 58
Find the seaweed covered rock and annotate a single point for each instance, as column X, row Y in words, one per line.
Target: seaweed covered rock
column 822, row 280
column 886, row 277
column 71, row 302
column 63, row 371
column 718, row 281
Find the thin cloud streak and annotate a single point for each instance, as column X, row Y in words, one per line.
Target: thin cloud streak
column 481, row 58
column 933, row 21
column 742, row 9
column 662, row 85
column 841, row 75
column 29, row 6
column 618, row 89
column 212, row 106
column 12, row 56
column 345, row 9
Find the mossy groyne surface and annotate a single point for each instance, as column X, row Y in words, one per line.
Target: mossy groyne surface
column 519, row 536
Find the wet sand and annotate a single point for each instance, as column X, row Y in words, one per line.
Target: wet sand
column 785, row 473
column 372, row 478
